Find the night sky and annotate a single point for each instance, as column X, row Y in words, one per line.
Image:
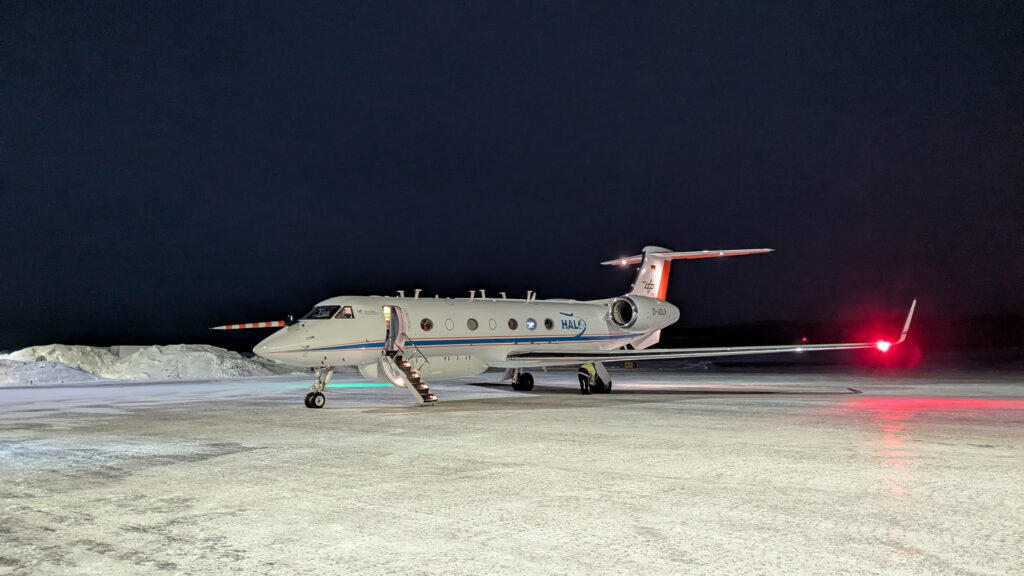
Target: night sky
column 166, row 167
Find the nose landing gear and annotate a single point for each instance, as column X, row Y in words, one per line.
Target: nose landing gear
column 316, row 399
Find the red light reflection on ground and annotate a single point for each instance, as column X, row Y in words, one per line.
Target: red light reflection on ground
column 894, row 419
column 897, row 408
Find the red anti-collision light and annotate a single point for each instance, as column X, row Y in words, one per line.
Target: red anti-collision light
column 884, row 345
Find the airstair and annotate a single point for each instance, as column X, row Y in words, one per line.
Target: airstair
column 395, row 363
column 400, row 373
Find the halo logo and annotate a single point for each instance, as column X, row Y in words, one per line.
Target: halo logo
column 571, row 322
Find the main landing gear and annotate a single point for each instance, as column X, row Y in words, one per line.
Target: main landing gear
column 598, row 386
column 595, row 382
column 316, row 399
column 522, row 381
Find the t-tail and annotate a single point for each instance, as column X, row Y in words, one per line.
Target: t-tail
column 656, row 263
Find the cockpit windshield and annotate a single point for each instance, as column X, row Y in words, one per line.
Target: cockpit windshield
column 321, row 313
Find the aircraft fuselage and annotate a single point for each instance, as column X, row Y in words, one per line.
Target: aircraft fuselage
column 461, row 336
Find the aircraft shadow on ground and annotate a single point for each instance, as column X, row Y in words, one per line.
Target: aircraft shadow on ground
column 560, row 397
column 687, row 391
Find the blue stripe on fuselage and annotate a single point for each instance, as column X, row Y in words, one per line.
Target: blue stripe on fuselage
column 477, row 341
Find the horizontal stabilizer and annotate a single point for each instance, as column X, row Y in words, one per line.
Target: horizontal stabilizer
column 686, row 255
column 271, row 324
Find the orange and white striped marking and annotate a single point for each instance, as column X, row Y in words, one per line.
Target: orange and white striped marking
column 273, row 324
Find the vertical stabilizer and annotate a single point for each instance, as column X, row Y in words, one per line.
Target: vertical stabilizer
column 652, row 275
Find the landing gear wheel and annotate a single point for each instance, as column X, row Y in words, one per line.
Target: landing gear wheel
column 308, row 398
column 317, row 400
column 600, row 386
column 524, row 383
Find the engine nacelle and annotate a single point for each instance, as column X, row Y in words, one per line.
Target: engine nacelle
column 641, row 314
column 623, row 312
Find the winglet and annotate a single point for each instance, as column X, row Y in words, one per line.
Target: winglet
column 906, row 325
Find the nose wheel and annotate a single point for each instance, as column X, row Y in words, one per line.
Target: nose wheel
column 316, row 398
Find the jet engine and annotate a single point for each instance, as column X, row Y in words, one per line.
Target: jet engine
column 641, row 314
column 623, row 312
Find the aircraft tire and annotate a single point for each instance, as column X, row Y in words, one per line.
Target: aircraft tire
column 309, row 396
column 317, row 400
column 524, row 383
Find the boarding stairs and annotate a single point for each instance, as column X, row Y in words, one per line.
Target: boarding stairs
column 395, row 361
column 401, row 373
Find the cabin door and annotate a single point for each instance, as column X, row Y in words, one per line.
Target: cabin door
column 396, row 335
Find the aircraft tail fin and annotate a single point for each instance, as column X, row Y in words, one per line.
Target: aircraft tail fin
column 656, row 262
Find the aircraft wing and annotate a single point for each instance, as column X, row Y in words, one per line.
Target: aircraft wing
column 556, row 358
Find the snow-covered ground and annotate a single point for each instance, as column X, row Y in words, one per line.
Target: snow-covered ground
column 63, row 364
column 719, row 472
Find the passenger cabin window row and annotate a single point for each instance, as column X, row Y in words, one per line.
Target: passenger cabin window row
column 427, row 324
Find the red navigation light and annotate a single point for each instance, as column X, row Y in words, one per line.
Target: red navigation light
column 804, row 339
column 883, row 345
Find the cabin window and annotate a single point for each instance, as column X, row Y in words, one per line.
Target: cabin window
column 346, row 312
column 512, row 324
column 531, row 323
column 548, row 323
column 321, row 313
column 472, row 324
column 426, row 324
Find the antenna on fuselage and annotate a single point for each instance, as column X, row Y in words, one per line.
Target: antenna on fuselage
column 401, row 293
column 529, row 295
column 416, row 293
column 472, row 295
column 483, row 294
column 503, row 297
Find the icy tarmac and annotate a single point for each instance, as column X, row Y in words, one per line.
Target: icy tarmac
column 722, row 472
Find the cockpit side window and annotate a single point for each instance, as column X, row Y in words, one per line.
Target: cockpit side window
column 321, row 313
column 346, row 312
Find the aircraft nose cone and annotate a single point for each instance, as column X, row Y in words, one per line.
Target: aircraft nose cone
column 277, row 342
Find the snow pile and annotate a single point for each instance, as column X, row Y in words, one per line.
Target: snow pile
column 16, row 373
column 88, row 358
column 181, row 361
column 60, row 363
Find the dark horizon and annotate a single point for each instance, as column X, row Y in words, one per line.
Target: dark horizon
column 168, row 168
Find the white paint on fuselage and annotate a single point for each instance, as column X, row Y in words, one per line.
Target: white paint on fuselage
column 451, row 346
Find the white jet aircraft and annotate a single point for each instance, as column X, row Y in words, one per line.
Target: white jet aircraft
column 406, row 339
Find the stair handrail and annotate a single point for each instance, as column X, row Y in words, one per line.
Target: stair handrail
column 403, row 350
column 416, row 352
